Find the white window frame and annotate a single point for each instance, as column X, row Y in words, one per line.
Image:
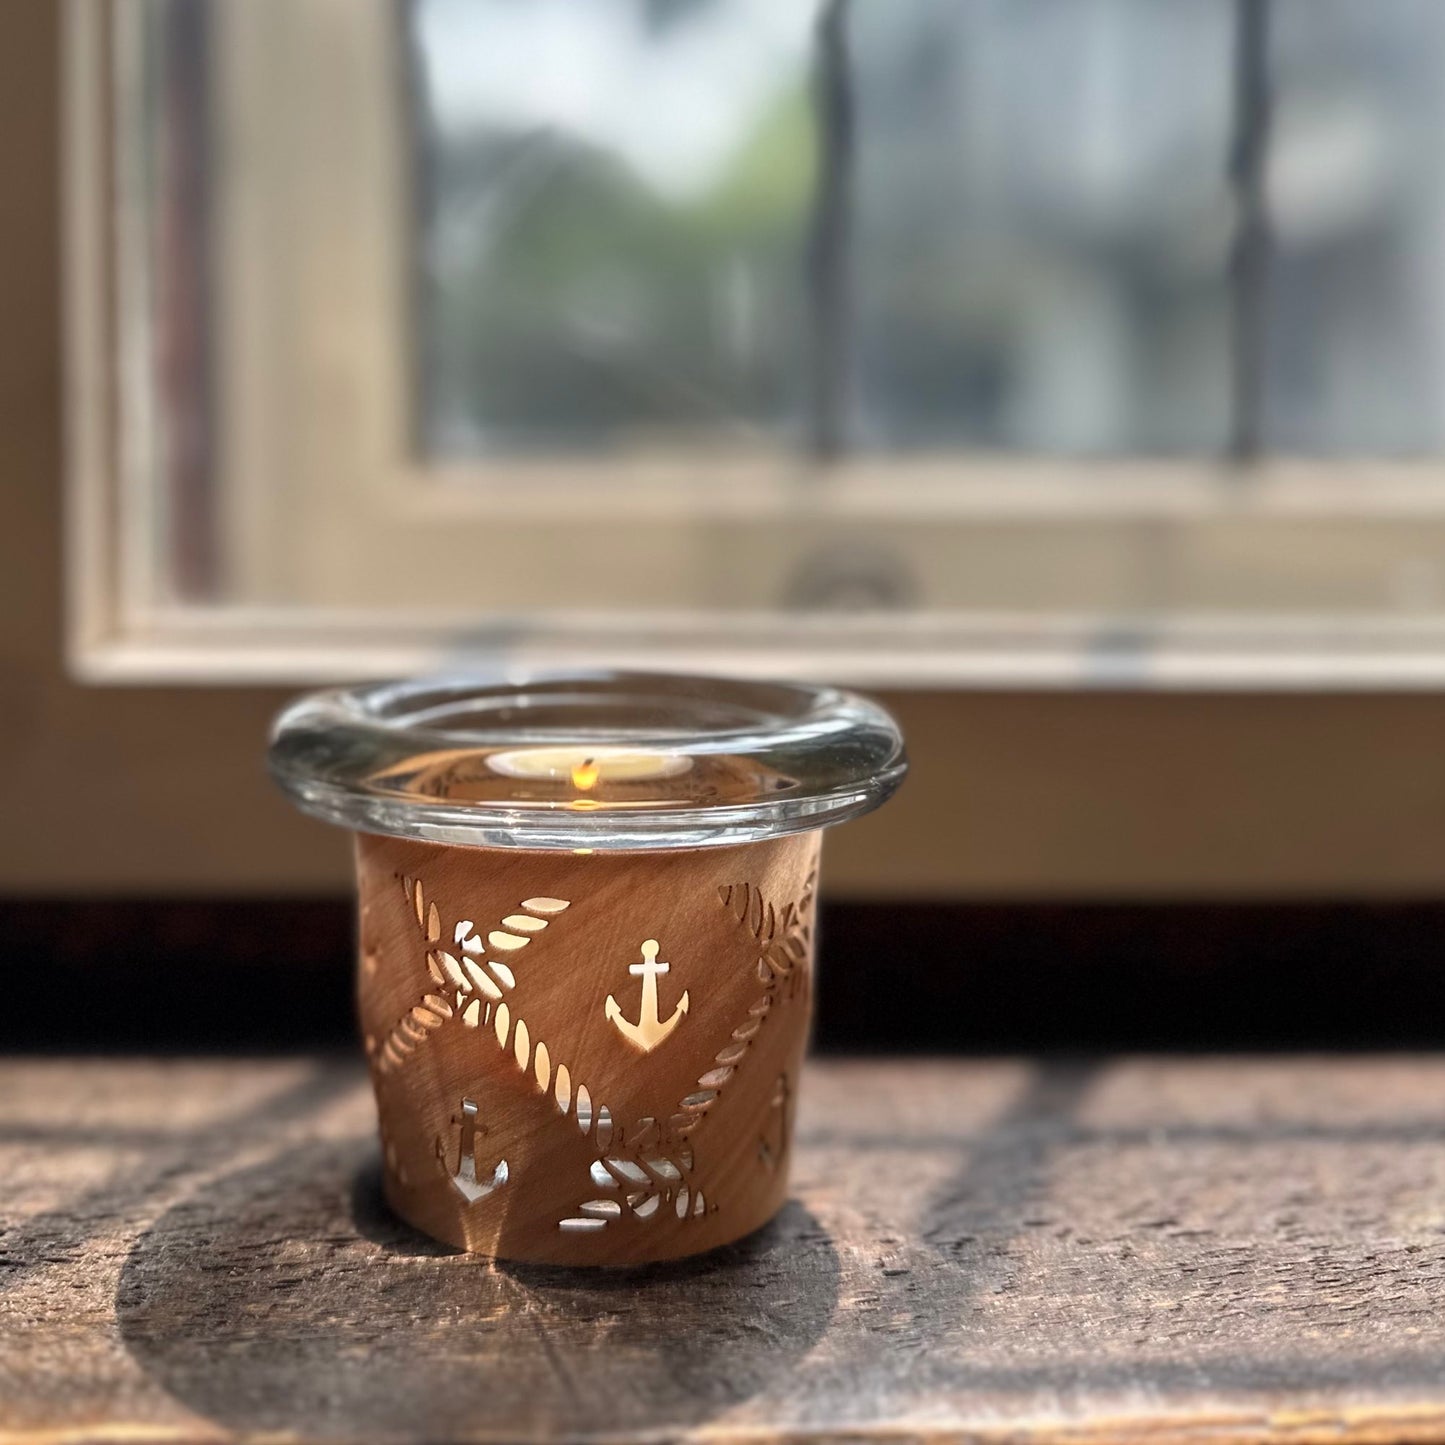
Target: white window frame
column 1060, row 574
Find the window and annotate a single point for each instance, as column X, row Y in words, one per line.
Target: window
column 920, row 341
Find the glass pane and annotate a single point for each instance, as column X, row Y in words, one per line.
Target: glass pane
column 1356, row 311
column 1044, row 224
column 614, row 203
column 879, row 225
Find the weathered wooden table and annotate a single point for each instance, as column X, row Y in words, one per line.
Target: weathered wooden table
column 1117, row 1250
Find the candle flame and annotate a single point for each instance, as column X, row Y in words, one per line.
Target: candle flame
column 585, row 775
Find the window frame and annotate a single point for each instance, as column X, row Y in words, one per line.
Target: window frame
column 1162, row 527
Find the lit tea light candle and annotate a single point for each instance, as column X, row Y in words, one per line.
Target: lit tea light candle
column 585, row 768
column 587, row 900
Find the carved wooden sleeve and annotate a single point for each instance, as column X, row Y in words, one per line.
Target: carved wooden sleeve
column 586, row 1059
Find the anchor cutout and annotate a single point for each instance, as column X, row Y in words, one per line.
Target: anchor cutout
column 649, row 1030
column 466, row 1181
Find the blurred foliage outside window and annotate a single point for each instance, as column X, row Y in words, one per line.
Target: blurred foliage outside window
column 1030, row 208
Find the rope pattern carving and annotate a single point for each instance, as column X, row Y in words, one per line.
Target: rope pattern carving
column 477, row 996
column 642, row 1172
column 464, row 988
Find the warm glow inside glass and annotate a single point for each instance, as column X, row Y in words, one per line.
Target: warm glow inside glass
column 586, row 941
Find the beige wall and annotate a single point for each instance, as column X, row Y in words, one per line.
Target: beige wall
column 162, row 791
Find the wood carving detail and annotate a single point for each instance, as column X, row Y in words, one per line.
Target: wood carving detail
column 784, row 942
column 467, row 989
column 486, row 986
column 468, row 1177
column 650, row 1030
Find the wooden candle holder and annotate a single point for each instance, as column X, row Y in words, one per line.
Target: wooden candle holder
column 586, row 1060
column 586, row 942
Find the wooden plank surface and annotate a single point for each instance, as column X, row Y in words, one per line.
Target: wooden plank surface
column 1184, row 1249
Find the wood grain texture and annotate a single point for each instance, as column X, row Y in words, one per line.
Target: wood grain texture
column 586, row 1059
column 1187, row 1250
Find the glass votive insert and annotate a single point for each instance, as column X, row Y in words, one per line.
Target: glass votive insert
column 586, row 942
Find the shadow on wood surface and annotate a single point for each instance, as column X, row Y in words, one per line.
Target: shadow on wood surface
column 285, row 1296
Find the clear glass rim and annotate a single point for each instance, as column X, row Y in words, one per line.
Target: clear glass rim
column 795, row 757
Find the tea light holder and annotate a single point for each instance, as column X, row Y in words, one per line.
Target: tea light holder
column 586, row 942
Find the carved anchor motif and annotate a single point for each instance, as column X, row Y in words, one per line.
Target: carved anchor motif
column 649, row 1030
column 465, row 1180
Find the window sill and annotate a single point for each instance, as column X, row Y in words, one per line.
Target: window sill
column 242, row 646
column 1208, row 1249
